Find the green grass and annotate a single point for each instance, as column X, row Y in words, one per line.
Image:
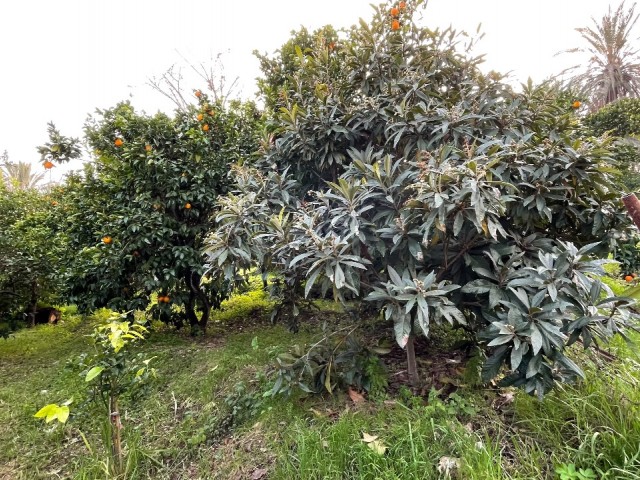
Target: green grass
column 205, row 416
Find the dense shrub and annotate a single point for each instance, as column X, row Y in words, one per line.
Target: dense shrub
column 622, row 120
column 137, row 218
column 439, row 194
column 30, row 248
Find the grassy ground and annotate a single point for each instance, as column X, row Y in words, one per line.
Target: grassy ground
column 206, row 418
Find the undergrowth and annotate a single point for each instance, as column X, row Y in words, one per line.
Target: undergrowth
column 207, row 416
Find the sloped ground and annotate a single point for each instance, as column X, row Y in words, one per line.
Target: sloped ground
column 206, row 418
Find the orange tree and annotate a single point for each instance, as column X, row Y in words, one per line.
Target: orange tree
column 438, row 194
column 137, row 217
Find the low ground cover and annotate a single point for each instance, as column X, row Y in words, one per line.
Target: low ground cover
column 207, row 415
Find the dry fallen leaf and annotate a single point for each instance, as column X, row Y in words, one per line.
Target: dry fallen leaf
column 355, row 396
column 448, row 466
column 317, row 413
column 366, row 438
column 377, row 446
column 508, row 397
column 259, row 473
column 373, row 443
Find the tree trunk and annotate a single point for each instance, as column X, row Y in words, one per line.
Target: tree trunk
column 633, row 207
column 193, row 283
column 190, row 311
column 33, row 303
column 116, row 436
column 412, row 366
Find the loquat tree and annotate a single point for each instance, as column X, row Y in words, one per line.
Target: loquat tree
column 402, row 175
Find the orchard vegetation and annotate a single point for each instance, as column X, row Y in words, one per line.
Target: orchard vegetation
column 388, row 181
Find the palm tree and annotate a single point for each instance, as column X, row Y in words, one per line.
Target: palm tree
column 613, row 69
column 19, row 175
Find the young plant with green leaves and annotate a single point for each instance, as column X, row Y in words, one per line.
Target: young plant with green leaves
column 114, row 372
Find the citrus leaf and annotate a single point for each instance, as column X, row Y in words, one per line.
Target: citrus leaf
column 93, row 373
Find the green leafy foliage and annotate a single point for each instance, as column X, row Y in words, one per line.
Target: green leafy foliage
column 114, row 369
column 53, row 411
column 31, row 246
column 279, row 70
column 628, row 254
column 137, row 218
column 59, row 148
column 337, row 361
column 114, row 373
column 621, row 119
column 438, row 194
column 571, row 472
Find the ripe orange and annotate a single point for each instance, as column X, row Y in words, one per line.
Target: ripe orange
column 402, row 5
column 395, row 12
column 54, row 203
column 118, row 142
column 198, row 93
column 48, row 165
column 147, row 147
column 187, row 205
column 576, row 104
column 211, row 112
column 200, row 117
column 107, row 239
column 395, row 25
column 205, row 127
column 628, row 278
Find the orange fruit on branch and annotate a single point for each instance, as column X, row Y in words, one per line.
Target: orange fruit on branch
column 394, row 12
column 395, row 25
column 205, row 127
column 198, row 93
column 107, row 239
column 118, row 142
column 628, row 278
column 200, row 117
column 48, row 165
column 147, row 147
column 576, row 104
column 187, row 205
column 402, row 5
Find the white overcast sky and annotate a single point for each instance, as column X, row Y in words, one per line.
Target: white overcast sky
column 62, row 59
